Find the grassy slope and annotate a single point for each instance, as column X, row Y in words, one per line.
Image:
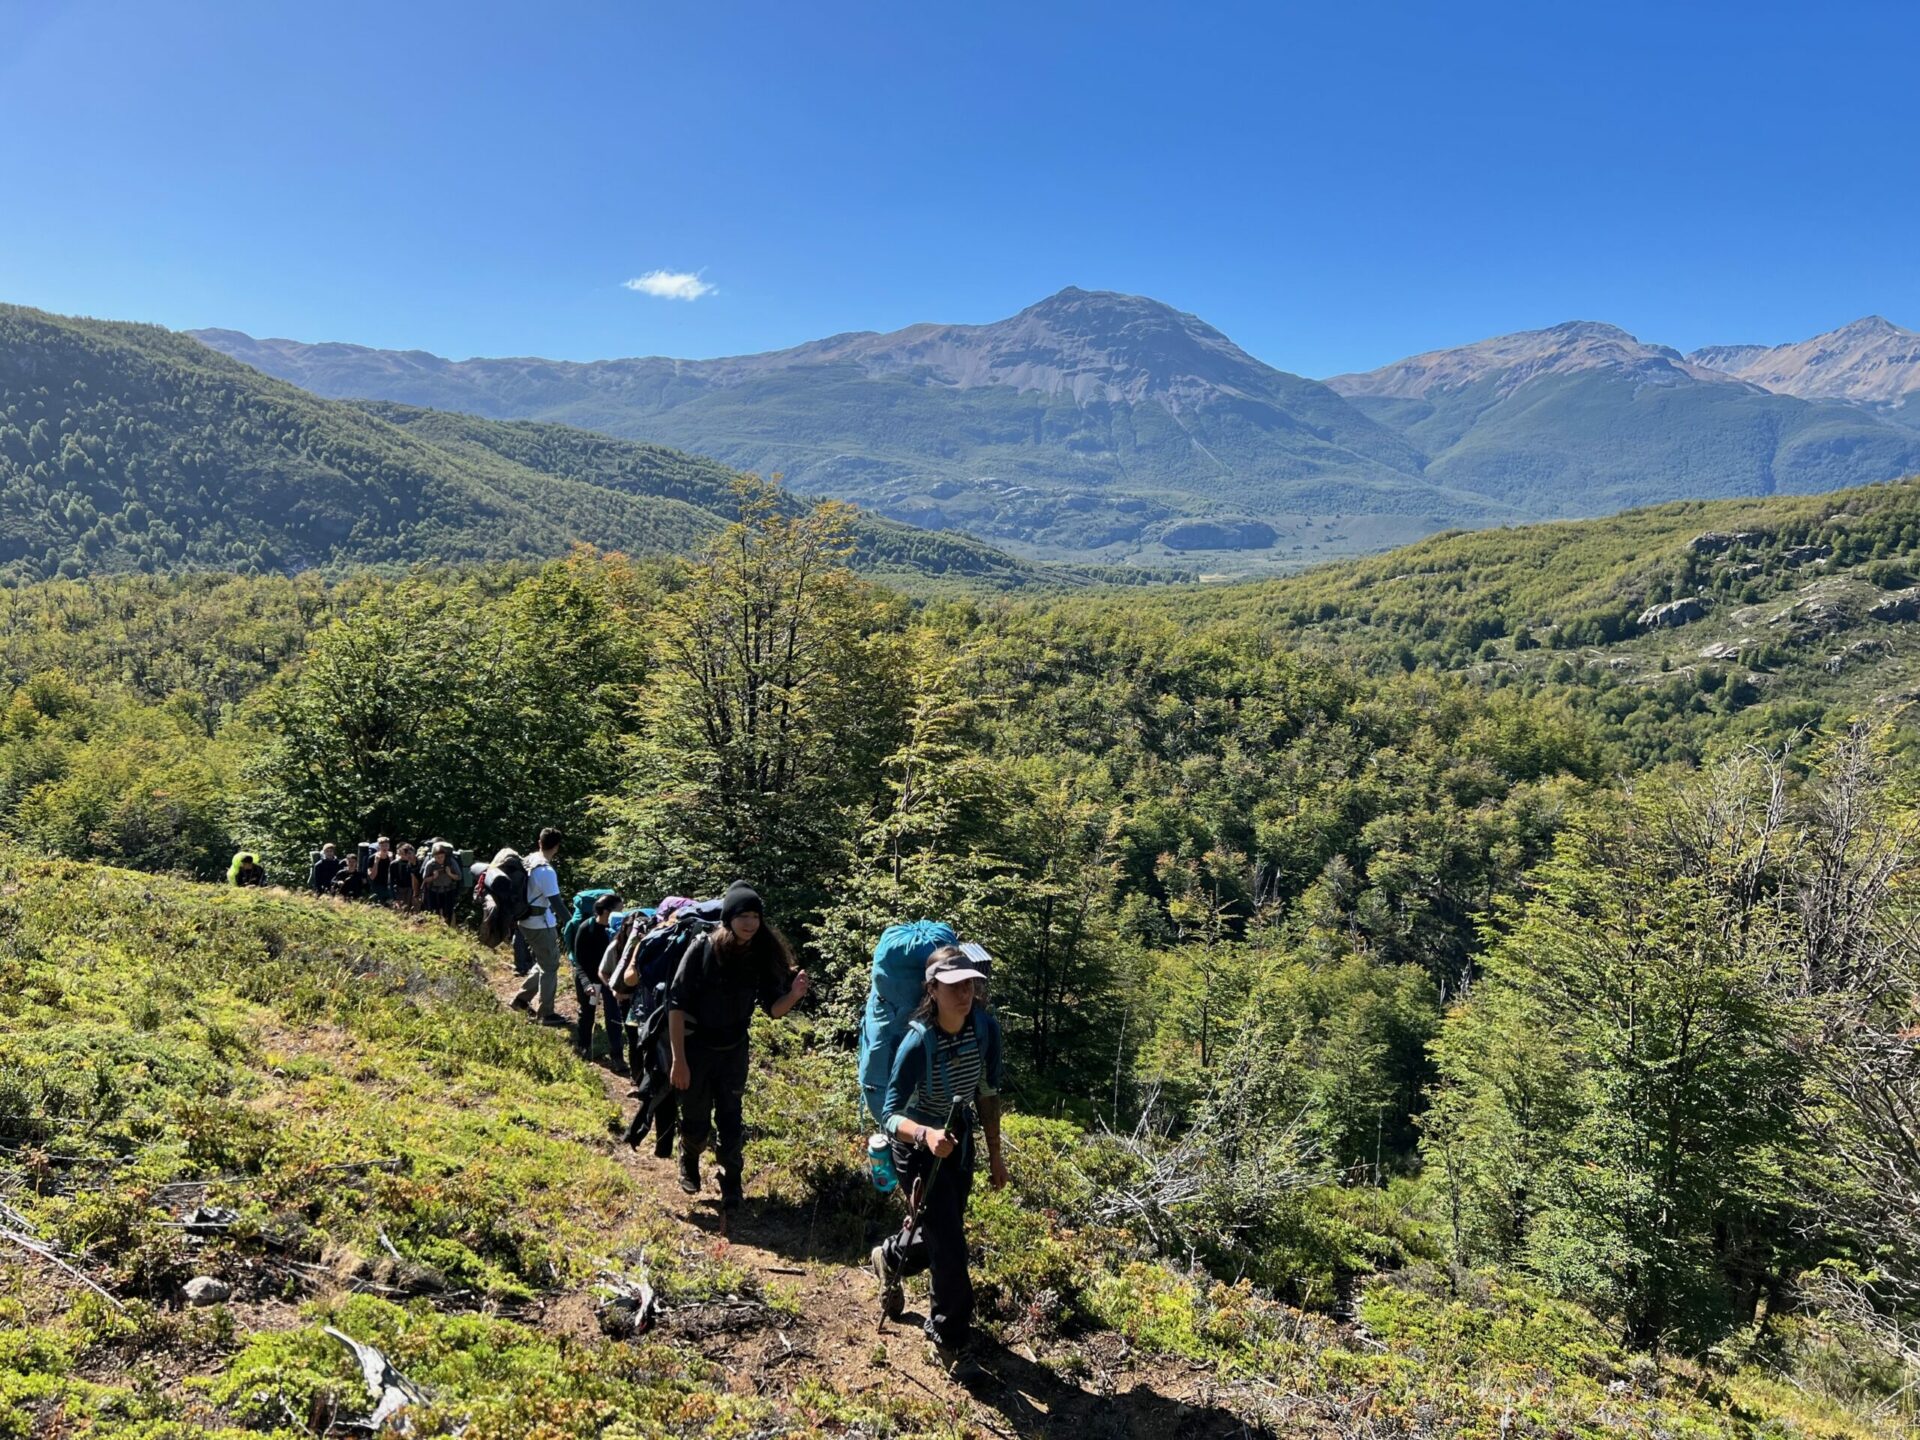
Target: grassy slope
column 266, row 1047
column 158, row 1032
column 1537, row 574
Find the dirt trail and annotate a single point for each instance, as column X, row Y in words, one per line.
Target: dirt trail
column 836, row 1335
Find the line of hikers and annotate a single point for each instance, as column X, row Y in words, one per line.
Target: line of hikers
column 382, row 874
column 676, row 985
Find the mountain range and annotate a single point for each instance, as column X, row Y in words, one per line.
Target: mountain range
column 1101, row 425
column 129, row 447
column 1870, row 362
column 1087, row 422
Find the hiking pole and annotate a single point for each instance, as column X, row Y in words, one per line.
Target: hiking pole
column 923, row 1187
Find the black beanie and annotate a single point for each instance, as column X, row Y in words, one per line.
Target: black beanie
column 739, row 899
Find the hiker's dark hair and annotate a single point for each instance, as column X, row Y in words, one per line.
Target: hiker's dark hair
column 766, row 939
column 606, row 904
column 551, row 837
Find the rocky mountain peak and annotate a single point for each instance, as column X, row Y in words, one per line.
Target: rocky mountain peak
column 1090, row 344
column 1509, row 361
column 1870, row 361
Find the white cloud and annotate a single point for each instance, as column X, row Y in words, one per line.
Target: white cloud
column 671, row 284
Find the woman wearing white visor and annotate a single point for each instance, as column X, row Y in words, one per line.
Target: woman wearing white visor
column 946, row 1076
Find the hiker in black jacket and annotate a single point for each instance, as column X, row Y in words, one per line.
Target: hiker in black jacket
column 590, row 944
column 739, row 964
column 320, row 878
column 349, row 883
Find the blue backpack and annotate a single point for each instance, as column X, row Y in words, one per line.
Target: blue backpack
column 899, row 981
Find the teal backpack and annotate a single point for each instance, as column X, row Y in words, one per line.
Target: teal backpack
column 582, row 912
column 899, row 980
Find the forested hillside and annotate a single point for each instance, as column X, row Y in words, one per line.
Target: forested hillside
column 1678, row 630
column 1407, row 1036
column 904, row 554
column 130, row 448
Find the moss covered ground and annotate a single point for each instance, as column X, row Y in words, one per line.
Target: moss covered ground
column 393, row 1154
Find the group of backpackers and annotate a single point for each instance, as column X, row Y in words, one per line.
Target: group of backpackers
column 677, row 985
column 385, row 874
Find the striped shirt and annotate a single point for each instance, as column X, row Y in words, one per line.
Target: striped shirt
column 956, row 1069
column 959, row 1070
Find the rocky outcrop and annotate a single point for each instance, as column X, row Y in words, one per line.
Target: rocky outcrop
column 1713, row 542
column 1819, row 610
column 1674, row 612
column 1901, row 605
column 1219, row 535
column 1802, row 554
column 1858, row 651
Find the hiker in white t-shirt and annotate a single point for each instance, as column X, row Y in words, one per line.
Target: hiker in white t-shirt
column 541, row 929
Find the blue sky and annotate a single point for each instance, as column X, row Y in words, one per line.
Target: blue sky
column 1335, row 186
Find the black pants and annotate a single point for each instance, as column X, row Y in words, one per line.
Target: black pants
column 615, row 1010
column 712, row 1102
column 586, row 994
column 939, row 1242
column 441, row 903
column 522, row 956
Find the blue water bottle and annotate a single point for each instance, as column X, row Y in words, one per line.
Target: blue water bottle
column 880, row 1163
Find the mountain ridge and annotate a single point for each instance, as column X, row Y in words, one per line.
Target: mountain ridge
column 1086, row 420
column 1570, row 347
column 1583, row 418
column 130, row 447
column 1869, row 361
column 1095, row 424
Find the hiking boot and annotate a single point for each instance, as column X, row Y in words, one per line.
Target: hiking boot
column 520, row 1002
column 731, row 1191
column 690, row 1172
column 893, row 1295
column 956, row 1362
column 663, row 1145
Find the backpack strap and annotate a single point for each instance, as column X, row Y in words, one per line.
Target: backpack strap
column 917, row 1030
